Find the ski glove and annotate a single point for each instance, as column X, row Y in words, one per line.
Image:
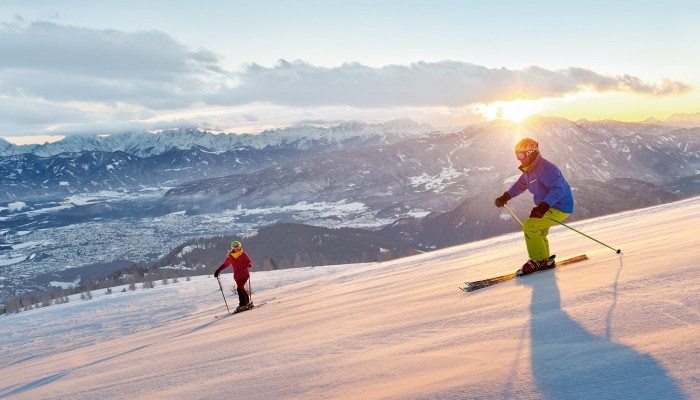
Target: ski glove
column 501, row 201
column 216, row 274
column 540, row 210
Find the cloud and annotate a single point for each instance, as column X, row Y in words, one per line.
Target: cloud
column 106, row 54
column 36, row 114
column 667, row 87
column 447, row 83
column 64, row 63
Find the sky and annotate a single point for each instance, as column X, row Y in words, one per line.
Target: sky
column 74, row 67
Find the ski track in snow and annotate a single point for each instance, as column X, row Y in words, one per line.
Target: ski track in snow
column 608, row 328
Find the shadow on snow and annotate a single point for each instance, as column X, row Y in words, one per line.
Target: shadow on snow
column 568, row 362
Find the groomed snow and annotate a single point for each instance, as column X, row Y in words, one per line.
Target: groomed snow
column 607, row 328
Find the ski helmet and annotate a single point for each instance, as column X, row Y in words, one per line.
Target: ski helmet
column 236, row 244
column 526, row 148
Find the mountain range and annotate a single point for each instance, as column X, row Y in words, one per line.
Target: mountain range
column 407, row 181
column 436, row 172
column 409, row 161
column 83, row 163
column 144, row 144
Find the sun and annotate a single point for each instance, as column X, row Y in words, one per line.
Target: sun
column 514, row 110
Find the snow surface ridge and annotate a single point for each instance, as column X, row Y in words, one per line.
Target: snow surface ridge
column 609, row 328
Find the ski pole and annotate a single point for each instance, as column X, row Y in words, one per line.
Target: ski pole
column 250, row 289
column 618, row 251
column 222, row 294
column 513, row 214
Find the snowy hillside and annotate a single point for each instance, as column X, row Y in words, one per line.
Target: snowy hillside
column 608, row 328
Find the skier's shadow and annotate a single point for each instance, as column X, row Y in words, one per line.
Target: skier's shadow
column 569, row 362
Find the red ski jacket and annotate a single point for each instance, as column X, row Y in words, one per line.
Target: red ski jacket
column 240, row 266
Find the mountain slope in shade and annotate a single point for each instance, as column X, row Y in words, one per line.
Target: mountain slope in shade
column 609, row 328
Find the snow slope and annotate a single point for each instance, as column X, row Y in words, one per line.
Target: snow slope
column 607, row 328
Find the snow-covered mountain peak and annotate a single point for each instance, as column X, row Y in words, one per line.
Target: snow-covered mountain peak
column 687, row 120
column 552, row 126
column 146, row 144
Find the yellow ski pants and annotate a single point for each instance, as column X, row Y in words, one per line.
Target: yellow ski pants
column 536, row 230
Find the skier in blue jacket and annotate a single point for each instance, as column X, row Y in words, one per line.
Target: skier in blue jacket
column 553, row 199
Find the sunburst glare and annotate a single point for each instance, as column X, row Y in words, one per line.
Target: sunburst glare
column 515, row 110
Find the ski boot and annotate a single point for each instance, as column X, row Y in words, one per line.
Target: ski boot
column 244, row 302
column 532, row 266
column 550, row 263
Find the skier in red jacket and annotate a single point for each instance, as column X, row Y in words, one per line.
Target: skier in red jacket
column 240, row 262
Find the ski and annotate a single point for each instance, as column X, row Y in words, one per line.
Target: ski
column 475, row 285
column 239, row 311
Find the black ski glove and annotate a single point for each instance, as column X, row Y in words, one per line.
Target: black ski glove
column 501, row 201
column 216, row 274
column 540, row 210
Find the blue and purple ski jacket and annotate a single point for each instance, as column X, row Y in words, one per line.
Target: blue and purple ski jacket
column 546, row 182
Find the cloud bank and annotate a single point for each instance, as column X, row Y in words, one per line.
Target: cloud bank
column 57, row 77
column 447, row 83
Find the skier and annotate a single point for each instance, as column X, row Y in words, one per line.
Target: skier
column 552, row 196
column 238, row 259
